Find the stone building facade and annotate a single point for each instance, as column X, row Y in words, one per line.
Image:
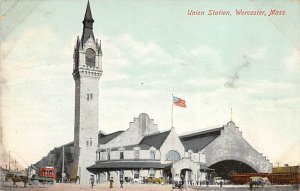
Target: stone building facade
column 142, row 150
column 196, row 156
column 87, row 70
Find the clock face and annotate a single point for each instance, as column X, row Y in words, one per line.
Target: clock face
column 90, row 53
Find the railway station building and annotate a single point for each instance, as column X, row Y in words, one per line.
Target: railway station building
column 142, row 150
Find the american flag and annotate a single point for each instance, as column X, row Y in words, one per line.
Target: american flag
column 179, row 102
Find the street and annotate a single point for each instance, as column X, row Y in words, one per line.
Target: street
column 7, row 186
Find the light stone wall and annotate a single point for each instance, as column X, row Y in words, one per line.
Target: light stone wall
column 128, row 173
column 172, row 142
column 129, row 154
column 87, row 125
column 115, row 176
column 86, row 114
column 186, row 163
column 158, row 173
column 144, row 173
column 103, row 177
column 144, row 154
column 134, row 134
column 230, row 145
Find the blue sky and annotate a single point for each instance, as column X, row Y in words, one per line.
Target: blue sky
column 152, row 50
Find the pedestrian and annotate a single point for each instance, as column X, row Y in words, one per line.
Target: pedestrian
column 121, row 182
column 92, row 181
column 251, row 185
column 182, row 181
column 111, row 182
column 221, row 183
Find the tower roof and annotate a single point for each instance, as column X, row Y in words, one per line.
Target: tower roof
column 87, row 25
column 88, row 14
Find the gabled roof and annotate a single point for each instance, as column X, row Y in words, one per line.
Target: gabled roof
column 155, row 140
column 103, row 139
column 197, row 141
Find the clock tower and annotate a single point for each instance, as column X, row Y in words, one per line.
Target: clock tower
column 87, row 70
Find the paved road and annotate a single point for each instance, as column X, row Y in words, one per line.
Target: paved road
column 7, row 186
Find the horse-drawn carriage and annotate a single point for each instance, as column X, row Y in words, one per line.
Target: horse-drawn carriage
column 46, row 175
column 258, row 181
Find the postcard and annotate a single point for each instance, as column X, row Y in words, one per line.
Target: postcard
column 177, row 93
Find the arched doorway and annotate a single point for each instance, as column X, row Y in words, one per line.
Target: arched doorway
column 227, row 167
column 167, row 173
column 186, row 175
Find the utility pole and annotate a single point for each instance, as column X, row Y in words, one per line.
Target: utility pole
column 9, row 160
column 16, row 165
column 63, row 164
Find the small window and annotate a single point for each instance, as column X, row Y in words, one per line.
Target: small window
column 121, row 155
column 91, row 96
column 88, row 96
column 87, row 143
column 99, row 156
column 136, row 173
column 91, row 143
column 108, row 155
column 152, row 154
column 151, row 172
column 136, row 154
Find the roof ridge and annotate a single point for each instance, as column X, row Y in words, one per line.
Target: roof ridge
column 114, row 132
column 200, row 131
column 156, row 133
column 157, row 141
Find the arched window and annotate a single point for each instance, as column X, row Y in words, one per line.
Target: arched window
column 90, row 55
column 173, row 156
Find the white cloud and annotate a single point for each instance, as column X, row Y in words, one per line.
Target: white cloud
column 293, row 62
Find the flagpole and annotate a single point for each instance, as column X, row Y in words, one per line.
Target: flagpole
column 172, row 112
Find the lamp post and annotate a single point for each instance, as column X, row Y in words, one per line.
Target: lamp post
column 199, row 179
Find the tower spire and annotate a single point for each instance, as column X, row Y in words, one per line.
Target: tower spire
column 88, row 13
column 87, row 25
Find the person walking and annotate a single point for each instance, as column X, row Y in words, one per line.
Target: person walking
column 111, row 182
column 92, row 181
column 121, row 182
